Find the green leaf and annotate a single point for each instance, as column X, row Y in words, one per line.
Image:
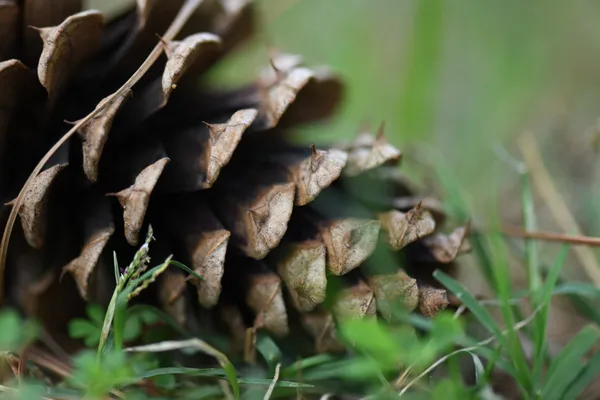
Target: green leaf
column 84, row 329
column 95, row 313
column 15, row 333
column 132, row 329
column 98, row 375
column 569, row 364
column 147, row 316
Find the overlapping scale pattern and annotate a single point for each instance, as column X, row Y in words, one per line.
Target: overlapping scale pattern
column 267, row 223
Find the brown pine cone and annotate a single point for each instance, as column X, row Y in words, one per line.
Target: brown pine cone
column 264, row 221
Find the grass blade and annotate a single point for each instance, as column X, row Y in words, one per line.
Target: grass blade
column 201, row 346
column 591, row 370
column 539, row 338
column 208, row 372
column 513, row 347
column 269, row 350
column 550, row 288
column 485, row 390
column 569, row 364
column 116, row 267
column 531, row 246
column 186, row 269
column 470, row 302
column 302, row 365
column 580, row 289
column 267, row 382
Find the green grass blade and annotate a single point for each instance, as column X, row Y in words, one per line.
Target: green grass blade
column 531, row 245
column 214, row 372
column 539, row 338
column 514, row 347
column 208, row 372
column 108, row 320
column 584, row 307
column 232, row 377
column 479, row 369
column 550, row 288
column 589, row 373
column 270, row 352
column 186, row 269
column 116, row 267
column 267, row 382
column 302, row 365
column 120, row 307
column 330, row 370
column 138, row 284
column 196, row 344
column 425, row 324
column 511, row 341
column 119, row 320
column 485, row 390
column 534, row 279
column 580, row 289
column 484, row 260
column 482, row 315
column 568, row 364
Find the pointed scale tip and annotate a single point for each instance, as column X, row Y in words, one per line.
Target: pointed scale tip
column 381, row 132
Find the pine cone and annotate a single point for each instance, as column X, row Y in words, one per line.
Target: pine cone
column 264, row 221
